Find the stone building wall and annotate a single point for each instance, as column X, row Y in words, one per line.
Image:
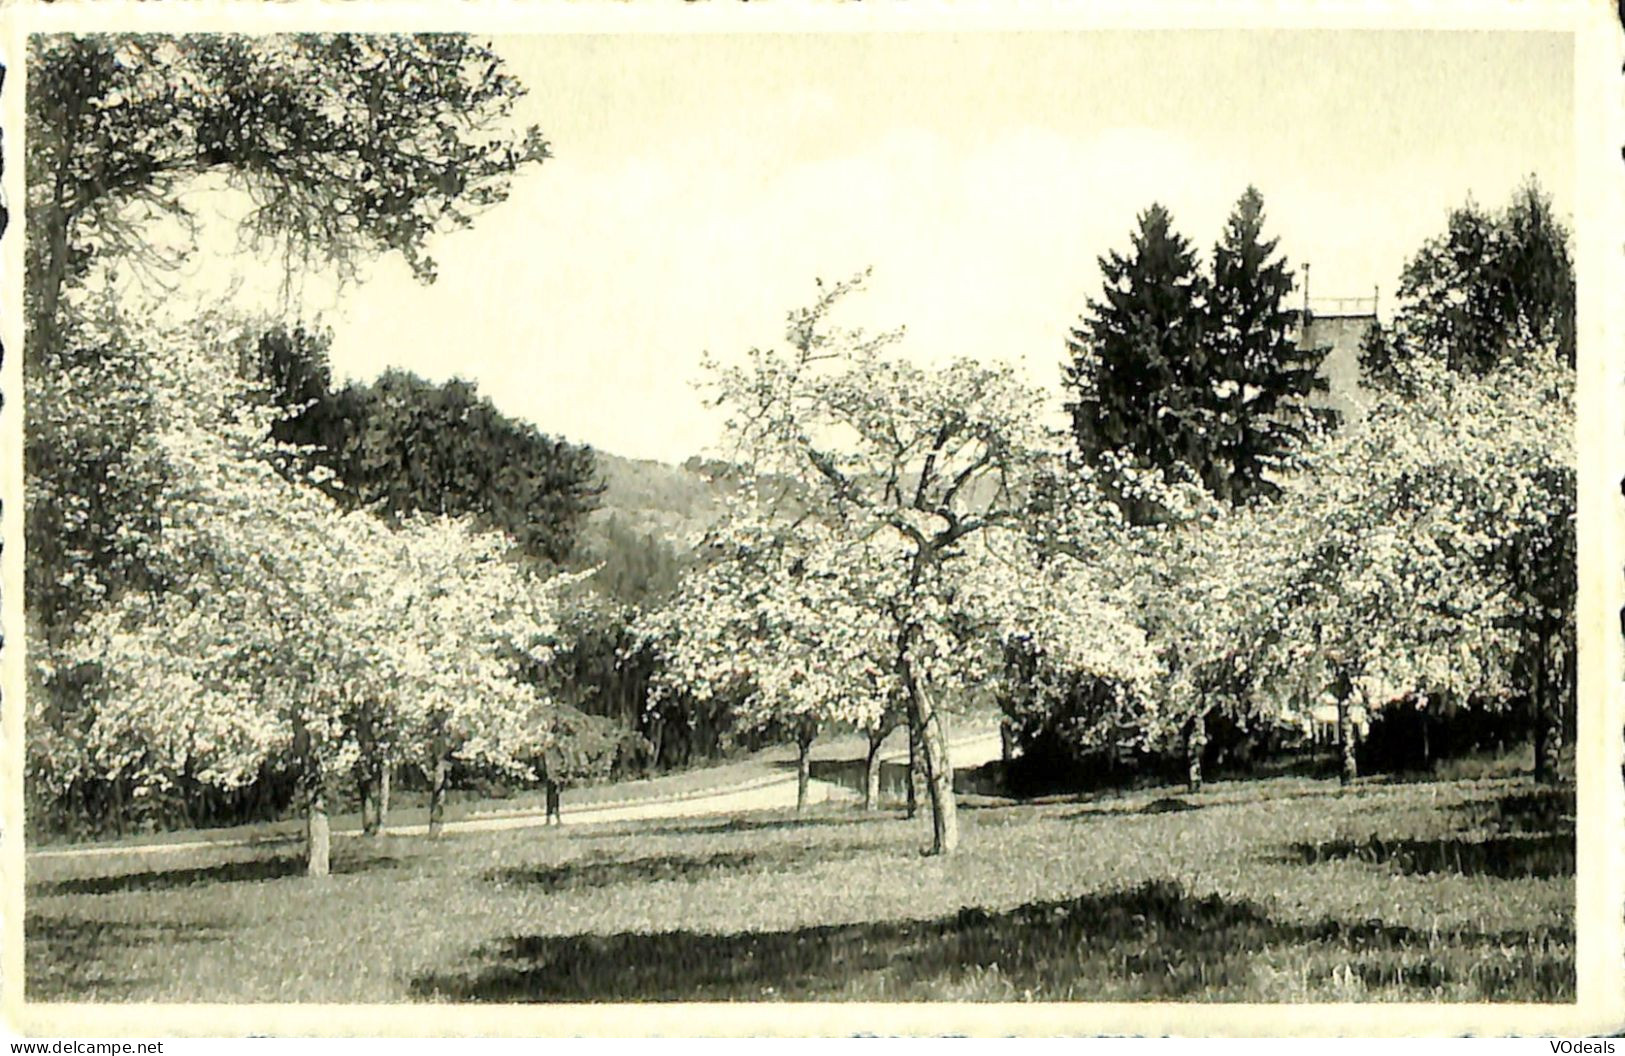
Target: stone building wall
column 1342, row 334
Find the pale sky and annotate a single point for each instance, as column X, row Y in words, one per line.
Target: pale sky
column 701, row 183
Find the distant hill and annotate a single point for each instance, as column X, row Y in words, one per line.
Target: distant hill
column 675, row 504
column 649, row 518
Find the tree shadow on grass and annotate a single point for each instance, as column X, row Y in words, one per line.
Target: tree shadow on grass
column 601, row 870
column 607, row 871
column 1164, row 805
column 1524, row 810
column 1216, row 794
column 1526, row 832
column 733, row 824
column 1505, row 857
column 824, row 820
column 251, row 870
column 65, row 958
column 1153, row 942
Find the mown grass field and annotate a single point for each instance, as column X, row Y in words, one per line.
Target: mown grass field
column 1286, row 889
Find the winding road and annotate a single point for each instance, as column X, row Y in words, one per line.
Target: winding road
column 770, row 793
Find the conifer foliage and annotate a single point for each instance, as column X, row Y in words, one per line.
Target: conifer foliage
column 1262, row 379
column 1195, row 372
column 1135, row 355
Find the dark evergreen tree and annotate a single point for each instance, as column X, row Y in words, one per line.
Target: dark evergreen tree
column 1137, row 360
column 1262, row 379
column 1181, row 371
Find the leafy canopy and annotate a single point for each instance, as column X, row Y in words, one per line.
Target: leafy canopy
column 401, row 445
column 347, row 145
column 286, row 623
column 1493, row 286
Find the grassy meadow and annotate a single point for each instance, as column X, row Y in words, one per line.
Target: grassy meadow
column 1285, row 889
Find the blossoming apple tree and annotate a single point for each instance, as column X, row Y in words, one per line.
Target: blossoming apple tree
column 776, row 624
column 288, row 629
column 469, row 619
column 1203, row 592
column 1404, row 552
column 1075, row 661
column 932, row 469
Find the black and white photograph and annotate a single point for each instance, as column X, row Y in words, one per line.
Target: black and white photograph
column 751, row 511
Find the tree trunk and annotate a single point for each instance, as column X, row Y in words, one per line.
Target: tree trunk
column 933, row 747
column 657, row 736
column 916, row 768
column 803, row 769
column 871, row 769
column 554, row 816
column 939, row 775
column 1548, row 723
column 1569, row 693
column 1195, row 743
column 1541, row 749
column 367, row 786
column 437, row 796
column 1007, row 742
column 1345, row 739
column 318, row 835
column 382, row 818
column 46, row 331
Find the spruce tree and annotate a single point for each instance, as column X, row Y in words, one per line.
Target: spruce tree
column 1261, row 379
column 1182, row 371
column 1136, row 359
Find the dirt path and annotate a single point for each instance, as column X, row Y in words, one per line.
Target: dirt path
column 772, row 793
